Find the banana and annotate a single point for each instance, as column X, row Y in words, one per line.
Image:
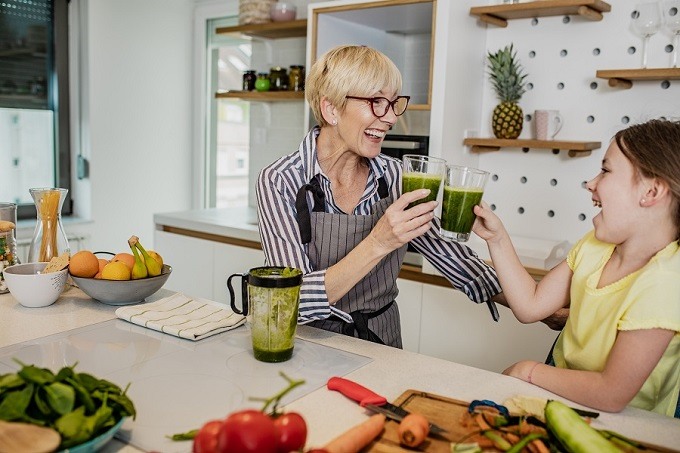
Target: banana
column 139, row 268
column 152, row 266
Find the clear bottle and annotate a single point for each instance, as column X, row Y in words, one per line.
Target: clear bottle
column 8, row 243
column 296, row 78
column 49, row 239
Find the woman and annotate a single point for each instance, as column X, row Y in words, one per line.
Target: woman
column 334, row 208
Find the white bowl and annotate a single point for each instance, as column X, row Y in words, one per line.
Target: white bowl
column 31, row 288
column 122, row 292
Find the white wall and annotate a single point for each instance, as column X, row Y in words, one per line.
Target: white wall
column 135, row 86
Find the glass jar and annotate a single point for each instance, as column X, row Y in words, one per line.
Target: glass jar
column 49, row 239
column 249, row 78
column 278, row 77
column 296, row 78
column 262, row 83
column 8, row 243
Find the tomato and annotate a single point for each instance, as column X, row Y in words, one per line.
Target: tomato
column 247, row 431
column 206, row 438
column 292, row 432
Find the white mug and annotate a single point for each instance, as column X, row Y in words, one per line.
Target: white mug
column 547, row 123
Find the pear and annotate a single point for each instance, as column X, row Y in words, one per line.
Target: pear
column 139, row 268
column 153, row 267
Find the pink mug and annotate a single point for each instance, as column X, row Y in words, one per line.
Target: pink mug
column 547, row 124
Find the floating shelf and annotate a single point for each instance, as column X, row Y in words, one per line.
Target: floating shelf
column 576, row 149
column 623, row 78
column 270, row 30
column 500, row 14
column 263, row 96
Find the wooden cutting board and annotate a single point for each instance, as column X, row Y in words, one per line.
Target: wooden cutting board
column 449, row 414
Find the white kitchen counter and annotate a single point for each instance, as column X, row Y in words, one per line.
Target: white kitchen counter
column 391, row 372
column 237, row 223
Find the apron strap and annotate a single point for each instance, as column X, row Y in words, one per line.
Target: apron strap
column 303, row 217
column 360, row 324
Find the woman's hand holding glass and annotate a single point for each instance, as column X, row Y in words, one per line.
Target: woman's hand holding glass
column 400, row 225
column 671, row 20
column 646, row 20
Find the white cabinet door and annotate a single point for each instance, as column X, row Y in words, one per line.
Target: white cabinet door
column 231, row 259
column 409, row 302
column 191, row 260
column 455, row 328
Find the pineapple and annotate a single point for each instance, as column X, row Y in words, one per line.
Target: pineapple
column 508, row 81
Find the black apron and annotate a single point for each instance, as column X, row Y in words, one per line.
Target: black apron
column 371, row 302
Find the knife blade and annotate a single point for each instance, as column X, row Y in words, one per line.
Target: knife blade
column 372, row 401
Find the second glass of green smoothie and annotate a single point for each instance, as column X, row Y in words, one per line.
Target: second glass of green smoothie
column 463, row 189
column 422, row 172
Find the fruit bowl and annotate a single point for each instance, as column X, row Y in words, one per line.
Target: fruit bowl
column 122, row 292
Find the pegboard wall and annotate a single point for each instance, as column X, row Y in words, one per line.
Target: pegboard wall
column 536, row 192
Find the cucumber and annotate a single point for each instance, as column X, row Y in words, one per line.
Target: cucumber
column 573, row 433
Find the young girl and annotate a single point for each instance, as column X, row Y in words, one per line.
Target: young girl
column 621, row 343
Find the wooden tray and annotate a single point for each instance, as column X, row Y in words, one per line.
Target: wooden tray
column 445, row 412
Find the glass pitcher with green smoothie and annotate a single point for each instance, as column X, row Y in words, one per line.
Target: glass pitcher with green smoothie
column 422, row 172
column 271, row 296
column 463, row 190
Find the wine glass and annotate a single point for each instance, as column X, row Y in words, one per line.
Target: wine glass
column 671, row 19
column 646, row 20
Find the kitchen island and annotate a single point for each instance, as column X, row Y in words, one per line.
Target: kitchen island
column 389, row 372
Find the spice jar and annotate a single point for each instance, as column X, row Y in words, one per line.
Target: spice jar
column 262, row 83
column 254, row 11
column 296, row 78
column 278, row 77
column 8, row 244
column 249, row 78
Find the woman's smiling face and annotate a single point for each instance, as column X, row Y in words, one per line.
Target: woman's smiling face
column 617, row 191
column 361, row 130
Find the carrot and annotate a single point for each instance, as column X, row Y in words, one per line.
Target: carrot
column 357, row 437
column 540, row 446
column 413, row 430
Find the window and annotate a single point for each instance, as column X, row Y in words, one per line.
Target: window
column 34, row 113
column 229, row 122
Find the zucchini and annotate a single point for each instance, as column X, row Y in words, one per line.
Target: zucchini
column 573, row 433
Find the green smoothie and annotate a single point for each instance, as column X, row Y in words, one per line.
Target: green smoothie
column 457, row 208
column 415, row 181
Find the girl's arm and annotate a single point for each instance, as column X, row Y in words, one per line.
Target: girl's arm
column 530, row 302
column 631, row 361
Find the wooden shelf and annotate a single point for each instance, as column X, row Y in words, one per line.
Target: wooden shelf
column 623, row 78
column 270, row 30
column 500, row 14
column 576, row 149
column 262, row 96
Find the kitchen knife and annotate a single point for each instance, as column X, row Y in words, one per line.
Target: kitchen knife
column 372, row 401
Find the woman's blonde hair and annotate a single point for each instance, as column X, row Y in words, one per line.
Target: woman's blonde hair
column 654, row 149
column 349, row 70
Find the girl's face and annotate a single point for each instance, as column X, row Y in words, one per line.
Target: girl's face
column 361, row 131
column 617, row 191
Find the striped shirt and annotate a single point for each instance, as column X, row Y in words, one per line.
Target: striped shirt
column 277, row 187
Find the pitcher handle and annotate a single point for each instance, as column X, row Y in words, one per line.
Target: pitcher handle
column 244, row 293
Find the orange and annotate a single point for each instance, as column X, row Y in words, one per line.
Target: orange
column 126, row 258
column 116, row 270
column 102, row 263
column 84, row 264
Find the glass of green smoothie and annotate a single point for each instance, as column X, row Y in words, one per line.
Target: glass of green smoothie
column 422, row 172
column 271, row 296
column 463, row 189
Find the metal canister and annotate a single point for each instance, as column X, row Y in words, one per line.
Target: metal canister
column 278, row 77
column 249, row 78
column 296, row 78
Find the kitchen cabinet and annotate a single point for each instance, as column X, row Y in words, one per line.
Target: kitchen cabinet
column 500, row 14
column 576, row 149
column 410, row 301
column 623, row 78
column 401, row 29
column 200, row 267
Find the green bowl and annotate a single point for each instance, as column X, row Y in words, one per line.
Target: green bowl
column 96, row 444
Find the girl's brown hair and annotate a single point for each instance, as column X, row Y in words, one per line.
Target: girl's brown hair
column 654, row 149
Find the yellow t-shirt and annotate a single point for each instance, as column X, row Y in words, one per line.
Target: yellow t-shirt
column 646, row 299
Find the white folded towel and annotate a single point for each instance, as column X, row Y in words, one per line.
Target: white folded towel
column 182, row 316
